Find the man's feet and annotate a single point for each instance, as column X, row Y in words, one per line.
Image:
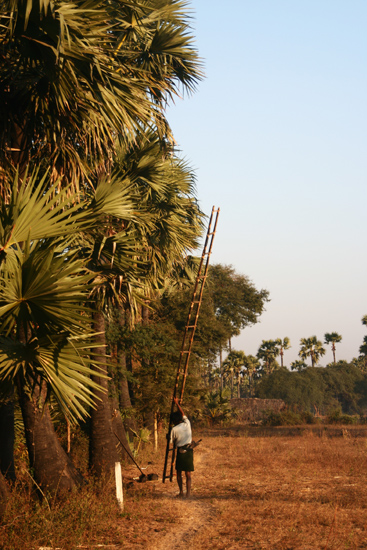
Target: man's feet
column 180, row 495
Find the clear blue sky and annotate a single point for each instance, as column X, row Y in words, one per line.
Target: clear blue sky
column 277, row 135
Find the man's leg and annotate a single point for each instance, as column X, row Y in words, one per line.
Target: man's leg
column 188, row 483
column 179, row 482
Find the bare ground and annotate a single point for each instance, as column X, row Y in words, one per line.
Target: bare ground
column 302, row 492
column 278, row 489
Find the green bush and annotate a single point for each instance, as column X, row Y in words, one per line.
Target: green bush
column 283, row 418
column 336, row 417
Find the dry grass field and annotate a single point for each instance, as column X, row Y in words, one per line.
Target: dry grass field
column 273, row 491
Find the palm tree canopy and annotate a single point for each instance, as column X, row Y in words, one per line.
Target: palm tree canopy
column 284, row 344
column 269, row 350
column 75, row 76
column 44, row 284
column 311, row 347
column 332, row 337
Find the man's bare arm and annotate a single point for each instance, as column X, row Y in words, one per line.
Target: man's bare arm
column 178, row 406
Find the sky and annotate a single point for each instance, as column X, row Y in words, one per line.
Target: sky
column 277, row 135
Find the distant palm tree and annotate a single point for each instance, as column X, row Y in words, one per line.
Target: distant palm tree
column 251, row 366
column 363, row 347
column 332, row 338
column 298, row 365
column 232, row 367
column 284, row 345
column 268, row 352
column 311, row 347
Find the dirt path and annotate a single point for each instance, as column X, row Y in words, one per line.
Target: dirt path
column 192, row 514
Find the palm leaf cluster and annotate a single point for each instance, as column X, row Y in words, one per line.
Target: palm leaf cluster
column 77, row 77
column 96, row 208
column 44, row 285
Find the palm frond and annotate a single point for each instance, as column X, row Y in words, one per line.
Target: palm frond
column 65, row 363
column 43, row 288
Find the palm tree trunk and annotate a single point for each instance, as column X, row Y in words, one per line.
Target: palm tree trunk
column 7, row 439
column 102, row 443
column 52, row 469
column 3, row 496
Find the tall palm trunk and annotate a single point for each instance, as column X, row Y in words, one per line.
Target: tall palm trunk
column 124, row 389
column 7, row 439
column 3, row 496
column 102, row 444
column 117, row 423
column 52, row 469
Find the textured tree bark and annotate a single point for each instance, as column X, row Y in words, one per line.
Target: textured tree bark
column 102, row 443
column 52, row 469
column 124, row 389
column 3, row 496
column 118, row 426
column 7, row 439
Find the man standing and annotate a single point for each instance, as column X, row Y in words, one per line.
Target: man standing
column 181, row 438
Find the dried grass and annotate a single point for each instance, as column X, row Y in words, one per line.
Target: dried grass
column 302, row 492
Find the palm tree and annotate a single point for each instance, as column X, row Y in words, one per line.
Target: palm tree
column 283, row 345
column 251, row 364
column 332, row 338
column 44, row 343
column 298, row 365
column 268, row 352
column 69, row 97
column 363, row 347
column 311, row 347
column 161, row 189
column 232, row 367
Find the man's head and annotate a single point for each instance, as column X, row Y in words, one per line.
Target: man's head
column 176, row 418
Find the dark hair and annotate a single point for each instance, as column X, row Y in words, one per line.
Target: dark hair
column 176, row 418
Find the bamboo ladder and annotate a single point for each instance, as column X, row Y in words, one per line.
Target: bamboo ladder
column 189, row 333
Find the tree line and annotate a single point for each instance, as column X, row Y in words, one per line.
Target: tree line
column 308, row 387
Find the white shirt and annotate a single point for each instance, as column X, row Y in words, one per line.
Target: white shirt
column 181, row 434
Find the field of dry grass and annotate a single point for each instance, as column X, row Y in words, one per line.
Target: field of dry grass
column 274, row 492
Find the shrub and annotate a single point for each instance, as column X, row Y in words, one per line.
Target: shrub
column 336, row 417
column 283, row 418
